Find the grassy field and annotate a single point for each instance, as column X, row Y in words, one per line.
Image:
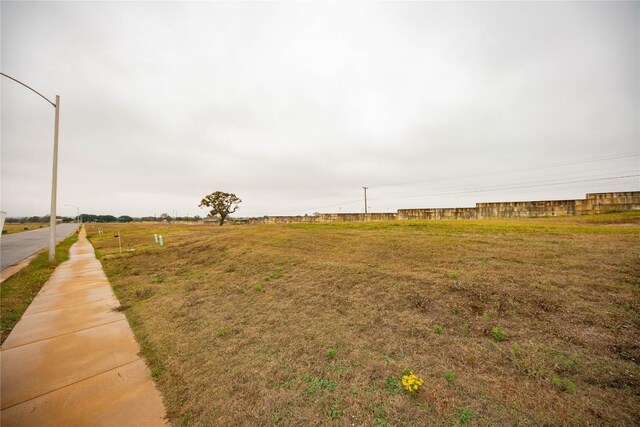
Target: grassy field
column 508, row 322
column 10, row 228
column 19, row 290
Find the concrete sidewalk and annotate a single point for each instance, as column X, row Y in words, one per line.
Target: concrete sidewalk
column 72, row 360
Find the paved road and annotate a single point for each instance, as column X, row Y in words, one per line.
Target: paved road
column 18, row 246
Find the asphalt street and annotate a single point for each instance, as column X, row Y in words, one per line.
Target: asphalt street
column 18, row 246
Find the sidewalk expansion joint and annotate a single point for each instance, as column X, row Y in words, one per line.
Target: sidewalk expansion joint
column 67, row 307
column 73, row 383
column 92, row 285
column 62, row 335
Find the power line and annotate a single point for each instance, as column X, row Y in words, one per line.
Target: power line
column 515, row 187
column 477, row 191
column 547, row 166
column 524, row 182
column 326, row 206
column 591, row 186
column 304, row 200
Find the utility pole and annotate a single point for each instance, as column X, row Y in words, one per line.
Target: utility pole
column 365, row 199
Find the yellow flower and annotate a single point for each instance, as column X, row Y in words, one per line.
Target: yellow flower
column 411, row 382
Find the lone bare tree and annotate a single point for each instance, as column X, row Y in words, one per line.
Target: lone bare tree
column 221, row 204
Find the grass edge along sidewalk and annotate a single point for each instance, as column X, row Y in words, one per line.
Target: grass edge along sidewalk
column 20, row 289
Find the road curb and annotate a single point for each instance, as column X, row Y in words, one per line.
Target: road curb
column 14, row 268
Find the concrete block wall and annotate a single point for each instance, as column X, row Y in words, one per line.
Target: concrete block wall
column 277, row 219
column 594, row 203
column 437, row 213
column 330, row 217
column 344, row 217
column 526, row 209
column 610, row 202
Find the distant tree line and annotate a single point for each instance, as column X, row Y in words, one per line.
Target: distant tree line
column 36, row 219
column 102, row 218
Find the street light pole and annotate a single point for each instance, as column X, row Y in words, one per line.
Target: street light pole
column 54, row 186
column 365, row 200
column 54, row 178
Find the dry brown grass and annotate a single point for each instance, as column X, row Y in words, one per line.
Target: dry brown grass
column 11, row 228
column 236, row 321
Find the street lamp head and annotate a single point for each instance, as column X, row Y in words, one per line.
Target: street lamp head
column 78, row 217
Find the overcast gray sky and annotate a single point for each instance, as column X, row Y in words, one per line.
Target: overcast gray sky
column 295, row 106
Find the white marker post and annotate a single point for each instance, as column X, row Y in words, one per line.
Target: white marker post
column 119, row 242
